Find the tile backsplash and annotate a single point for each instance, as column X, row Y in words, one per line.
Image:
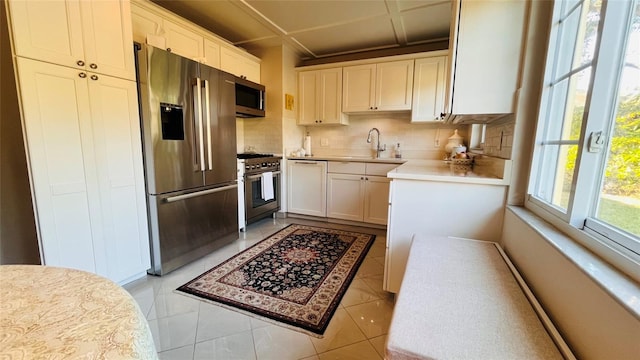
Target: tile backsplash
column 417, row 141
column 498, row 139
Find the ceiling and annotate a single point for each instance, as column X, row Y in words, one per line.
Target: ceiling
column 321, row 28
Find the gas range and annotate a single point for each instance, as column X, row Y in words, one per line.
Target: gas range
column 259, row 163
column 259, row 199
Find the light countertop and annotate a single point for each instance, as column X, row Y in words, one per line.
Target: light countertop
column 486, row 170
column 367, row 159
column 437, row 170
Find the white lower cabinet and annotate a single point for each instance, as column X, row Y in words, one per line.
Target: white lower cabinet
column 376, row 199
column 435, row 208
column 345, row 194
column 358, row 191
column 83, row 137
column 307, row 187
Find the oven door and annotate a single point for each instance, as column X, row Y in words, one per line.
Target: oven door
column 256, row 206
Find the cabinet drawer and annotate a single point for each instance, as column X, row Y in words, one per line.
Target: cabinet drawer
column 346, row 167
column 379, row 169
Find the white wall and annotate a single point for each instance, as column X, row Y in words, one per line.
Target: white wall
column 592, row 322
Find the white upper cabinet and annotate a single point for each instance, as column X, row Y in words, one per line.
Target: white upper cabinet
column 211, row 53
column 429, row 89
column 239, row 64
column 89, row 35
column 320, row 97
column 160, row 28
column 485, row 51
column 378, row 87
column 183, row 41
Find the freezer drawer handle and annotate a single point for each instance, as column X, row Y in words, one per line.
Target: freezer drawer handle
column 258, row 176
column 200, row 193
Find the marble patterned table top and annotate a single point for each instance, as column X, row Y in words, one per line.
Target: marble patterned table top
column 57, row 313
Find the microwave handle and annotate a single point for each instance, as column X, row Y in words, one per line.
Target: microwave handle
column 261, row 100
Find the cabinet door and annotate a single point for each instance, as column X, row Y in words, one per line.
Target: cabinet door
column 307, row 187
column 330, row 96
column 486, row 81
column 250, row 69
column 211, row 53
column 358, row 88
column 108, row 42
column 308, row 97
column 239, row 65
column 376, row 199
column 123, row 251
column 56, row 116
column 345, row 194
column 394, row 85
column 429, row 89
column 48, row 30
column 320, row 94
column 146, row 27
column 182, row 41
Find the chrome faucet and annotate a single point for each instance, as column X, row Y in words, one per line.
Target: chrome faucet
column 378, row 148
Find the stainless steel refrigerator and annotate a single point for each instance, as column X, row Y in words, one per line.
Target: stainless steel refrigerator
column 189, row 138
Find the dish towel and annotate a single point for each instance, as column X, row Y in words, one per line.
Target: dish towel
column 267, row 185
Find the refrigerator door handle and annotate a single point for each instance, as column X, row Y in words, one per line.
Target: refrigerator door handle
column 207, row 111
column 198, row 109
column 199, row 193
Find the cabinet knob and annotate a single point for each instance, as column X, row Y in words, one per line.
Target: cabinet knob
column 93, row 66
column 361, row 178
column 169, row 49
column 80, row 63
column 82, row 75
column 442, row 115
column 375, row 108
column 366, row 178
column 94, row 77
column 371, row 108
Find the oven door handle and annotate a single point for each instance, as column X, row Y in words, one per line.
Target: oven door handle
column 251, row 177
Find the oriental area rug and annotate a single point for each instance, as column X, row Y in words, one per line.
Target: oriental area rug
column 294, row 277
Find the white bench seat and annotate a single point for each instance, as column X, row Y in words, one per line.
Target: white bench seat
column 459, row 299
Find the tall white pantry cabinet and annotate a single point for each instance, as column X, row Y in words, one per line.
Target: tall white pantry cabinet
column 79, row 106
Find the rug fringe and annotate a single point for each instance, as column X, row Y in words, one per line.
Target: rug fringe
column 250, row 314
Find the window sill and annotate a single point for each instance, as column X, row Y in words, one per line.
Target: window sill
column 623, row 286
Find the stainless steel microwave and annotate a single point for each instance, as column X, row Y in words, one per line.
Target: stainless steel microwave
column 250, row 99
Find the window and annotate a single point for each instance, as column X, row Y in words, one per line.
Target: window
column 586, row 168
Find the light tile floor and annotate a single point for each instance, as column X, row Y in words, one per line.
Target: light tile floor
column 187, row 328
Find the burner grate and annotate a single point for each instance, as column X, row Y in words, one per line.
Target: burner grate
column 253, row 156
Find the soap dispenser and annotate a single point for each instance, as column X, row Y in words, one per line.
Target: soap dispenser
column 398, row 153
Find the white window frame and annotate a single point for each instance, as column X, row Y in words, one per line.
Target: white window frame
column 617, row 247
